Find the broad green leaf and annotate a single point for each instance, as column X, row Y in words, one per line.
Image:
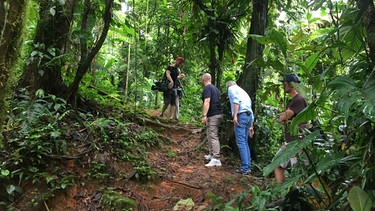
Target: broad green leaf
column 261, row 39
column 369, row 89
column 49, row 179
column 359, row 200
column 331, row 160
column 4, row 172
column 290, row 151
column 309, row 113
column 279, row 39
column 342, row 82
column 184, row 204
column 311, row 61
column 10, row 189
column 300, row 36
column 52, row 11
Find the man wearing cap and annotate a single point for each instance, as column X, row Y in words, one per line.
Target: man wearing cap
column 292, row 108
column 243, row 119
column 172, row 73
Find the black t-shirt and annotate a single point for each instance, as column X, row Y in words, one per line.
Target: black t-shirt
column 210, row 91
column 174, row 73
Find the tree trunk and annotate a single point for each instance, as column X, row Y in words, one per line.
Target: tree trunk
column 213, row 61
column 249, row 79
column 12, row 14
column 44, row 68
column 367, row 9
column 86, row 59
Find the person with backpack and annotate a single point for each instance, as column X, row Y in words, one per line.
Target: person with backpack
column 172, row 74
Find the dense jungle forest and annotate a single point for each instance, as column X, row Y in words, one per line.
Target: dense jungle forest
column 80, row 126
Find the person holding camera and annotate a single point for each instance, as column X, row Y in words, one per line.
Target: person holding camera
column 172, row 74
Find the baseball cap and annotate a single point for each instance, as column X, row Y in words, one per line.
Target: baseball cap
column 290, row 78
column 180, row 58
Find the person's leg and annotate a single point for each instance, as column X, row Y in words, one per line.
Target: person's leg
column 213, row 135
column 243, row 149
column 279, row 170
column 167, row 100
column 165, row 106
column 279, row 174
column 241, row 133
column 209, row 138
column 177, row 108
column 172, row 112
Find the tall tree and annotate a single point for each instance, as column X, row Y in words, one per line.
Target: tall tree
column 11, row 26
column 367, row 11
column 220, row 30
column 249, row 78
column 88, row 55
column 44, row 67
column 51, row 46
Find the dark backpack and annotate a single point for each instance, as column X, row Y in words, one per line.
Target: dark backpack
column 161, row 85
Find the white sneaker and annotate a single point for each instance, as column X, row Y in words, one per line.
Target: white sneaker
column 208, row 157
column 213, row 162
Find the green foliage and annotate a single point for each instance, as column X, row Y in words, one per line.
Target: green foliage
column 99, row 171
column 144, row 172
column 359, row 200
column 329, row 57
column 219, row 204
column 116, row 201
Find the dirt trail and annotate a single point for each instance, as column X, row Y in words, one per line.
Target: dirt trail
column 181, row 171
column 185, row 175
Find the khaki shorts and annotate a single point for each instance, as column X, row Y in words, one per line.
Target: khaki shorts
column 292, row 160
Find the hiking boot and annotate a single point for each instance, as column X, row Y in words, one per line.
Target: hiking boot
column 208, row 157
column 213, row 162
column 243, row 172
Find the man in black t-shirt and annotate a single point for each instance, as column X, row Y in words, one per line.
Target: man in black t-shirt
column 293, row 107
column 212, row 117
column 172, row 74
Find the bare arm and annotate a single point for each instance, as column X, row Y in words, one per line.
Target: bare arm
column 286, row 115
column 206, row 106
column 235, row 112
column 168, row 74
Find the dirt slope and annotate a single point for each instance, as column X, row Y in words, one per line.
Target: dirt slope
column 181, row 171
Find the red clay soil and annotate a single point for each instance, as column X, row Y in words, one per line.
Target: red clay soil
column 181, row 175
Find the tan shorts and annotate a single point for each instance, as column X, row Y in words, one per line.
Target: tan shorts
column 290, row 162
column 293, row 160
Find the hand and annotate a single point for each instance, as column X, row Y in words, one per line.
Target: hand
column 204, row 120
column 235, row 121
column 170, row 85
column 251, row 132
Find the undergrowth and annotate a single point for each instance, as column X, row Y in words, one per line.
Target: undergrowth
column 44, row 133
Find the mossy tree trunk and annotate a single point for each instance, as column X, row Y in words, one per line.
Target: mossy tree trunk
column 368, row 19
column 249, row 79
column 45, row 62
column 11, row 27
